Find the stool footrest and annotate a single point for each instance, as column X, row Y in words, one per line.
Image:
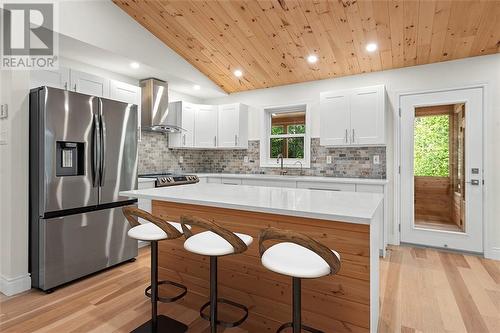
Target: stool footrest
column 304, row 327
column 163, row 324
column 147, row 292
column 226, row 323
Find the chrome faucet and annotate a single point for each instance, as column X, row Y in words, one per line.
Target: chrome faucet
column 301, row 172
column 280, row 157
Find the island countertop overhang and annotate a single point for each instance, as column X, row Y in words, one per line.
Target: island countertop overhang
column 351, row 207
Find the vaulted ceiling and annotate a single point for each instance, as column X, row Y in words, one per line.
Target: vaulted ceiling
column 269, row 41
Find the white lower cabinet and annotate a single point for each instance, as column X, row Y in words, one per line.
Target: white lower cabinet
column 231, row 181
column 269, row 182
column 327, row 186
column 214, row 180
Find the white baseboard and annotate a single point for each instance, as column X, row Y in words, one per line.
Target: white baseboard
column 12, row 286
column 492, row 253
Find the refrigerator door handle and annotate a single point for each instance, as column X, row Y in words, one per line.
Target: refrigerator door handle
column 103, row 147
column 96, row 151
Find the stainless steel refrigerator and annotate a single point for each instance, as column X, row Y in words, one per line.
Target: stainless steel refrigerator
column 83, row 151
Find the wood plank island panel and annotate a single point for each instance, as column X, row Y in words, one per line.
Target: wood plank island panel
column 339, row 303
column 270, row 40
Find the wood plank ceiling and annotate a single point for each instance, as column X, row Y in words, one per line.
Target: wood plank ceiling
column 270, row 40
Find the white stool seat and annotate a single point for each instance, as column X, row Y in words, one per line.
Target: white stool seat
column 151, row 232
column 296, row 261
column 208, row 243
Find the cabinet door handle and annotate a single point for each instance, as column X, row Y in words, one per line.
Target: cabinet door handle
column 215, row 141
column 235, row 139
column 353, row 140
column 74, row 88
column 346, row 136
column 184, row 139
column 65, row 85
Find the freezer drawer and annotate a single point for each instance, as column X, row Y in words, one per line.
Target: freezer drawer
column 77, row 245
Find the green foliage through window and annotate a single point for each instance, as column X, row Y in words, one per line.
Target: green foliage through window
column 431, row 146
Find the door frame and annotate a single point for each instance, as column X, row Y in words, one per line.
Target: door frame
column 396, row 239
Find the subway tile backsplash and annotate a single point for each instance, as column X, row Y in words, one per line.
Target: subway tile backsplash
column 155, row 156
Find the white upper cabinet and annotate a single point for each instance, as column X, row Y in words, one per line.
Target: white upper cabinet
column 335, row 118
column 185, row 112
column 51, row 78
column 89, row 84
column 367, row 116
column 233, row 126
column 205, row 126
column 125, row 92
column 353, row 117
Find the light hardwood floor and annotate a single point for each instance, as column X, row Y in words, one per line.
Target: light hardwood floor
column 422, row 290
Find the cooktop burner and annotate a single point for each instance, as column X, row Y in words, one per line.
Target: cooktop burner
column 171, row 179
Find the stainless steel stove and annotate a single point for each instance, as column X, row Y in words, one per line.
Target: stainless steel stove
column 171, row 179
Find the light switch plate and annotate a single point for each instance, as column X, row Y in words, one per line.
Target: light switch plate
column 245, row 159
column 376, row 159
column 181, row 159
column 328, row 160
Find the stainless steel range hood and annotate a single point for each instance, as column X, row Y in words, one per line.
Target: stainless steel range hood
column 154, row 107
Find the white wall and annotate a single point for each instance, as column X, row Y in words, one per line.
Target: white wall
column 14, row 185
column 484, row 69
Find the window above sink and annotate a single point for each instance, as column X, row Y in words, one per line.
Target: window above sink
column 286, row 133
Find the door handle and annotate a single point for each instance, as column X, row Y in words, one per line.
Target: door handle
column 96, row 151
column 103, row 147
column 474, row 182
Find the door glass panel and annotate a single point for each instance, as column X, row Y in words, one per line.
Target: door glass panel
column 439, row 167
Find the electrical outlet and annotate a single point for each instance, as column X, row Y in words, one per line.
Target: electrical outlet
column 245, row 159
column 328, row 160
column 181, row 159
column 376, row 159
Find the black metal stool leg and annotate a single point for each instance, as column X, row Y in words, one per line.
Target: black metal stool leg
column 214, row 300
column 296, row 323
column 161, row 323
column 297, row 306
column 213, row 294
column 154, row 285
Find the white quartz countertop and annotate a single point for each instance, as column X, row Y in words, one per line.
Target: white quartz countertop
column 352, row 207
column 296, row 178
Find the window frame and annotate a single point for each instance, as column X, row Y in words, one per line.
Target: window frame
column 265, row 142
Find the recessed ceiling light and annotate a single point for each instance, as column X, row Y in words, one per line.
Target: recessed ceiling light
column 134, row 65
column 196, row 87
column 371, row 47
column 238, row 73
column 312, row 58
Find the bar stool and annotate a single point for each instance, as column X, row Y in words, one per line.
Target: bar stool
column 153, row 232
column 300, row 257
column 215, row 242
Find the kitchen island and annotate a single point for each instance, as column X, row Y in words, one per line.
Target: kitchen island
column 344, row 221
